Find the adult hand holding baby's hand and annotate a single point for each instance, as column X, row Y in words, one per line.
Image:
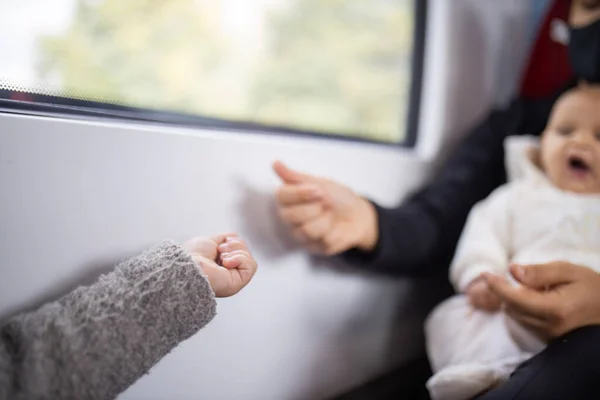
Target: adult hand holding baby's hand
column 554, row 298
column 226, row 261
column 480, row 296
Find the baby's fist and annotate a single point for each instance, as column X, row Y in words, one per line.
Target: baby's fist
column 480, row 296
column 226, row 261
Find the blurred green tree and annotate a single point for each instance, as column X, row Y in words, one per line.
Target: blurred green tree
column 161, row 54
column 340, row 66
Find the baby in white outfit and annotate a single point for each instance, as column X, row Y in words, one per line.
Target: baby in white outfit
column 548, row 211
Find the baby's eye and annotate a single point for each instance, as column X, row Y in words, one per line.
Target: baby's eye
column 597, row 136
column 564, row 130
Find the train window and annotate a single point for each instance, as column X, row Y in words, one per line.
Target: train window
column 339, row 68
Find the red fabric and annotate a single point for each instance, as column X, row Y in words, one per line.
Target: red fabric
column 548, row 69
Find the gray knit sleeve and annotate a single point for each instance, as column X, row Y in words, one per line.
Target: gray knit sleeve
column 98, row 340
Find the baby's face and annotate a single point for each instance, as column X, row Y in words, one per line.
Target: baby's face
column 570, row 148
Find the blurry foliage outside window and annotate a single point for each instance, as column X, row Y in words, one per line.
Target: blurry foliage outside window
column 328, row 66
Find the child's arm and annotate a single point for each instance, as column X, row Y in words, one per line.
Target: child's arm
column 96, row 341
column 485, row 242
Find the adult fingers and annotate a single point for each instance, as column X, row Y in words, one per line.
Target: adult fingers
column 314, row 230
column 523, row 299
column 290, row 195
column 289, row 175
column 301, row 213
column 546, row 275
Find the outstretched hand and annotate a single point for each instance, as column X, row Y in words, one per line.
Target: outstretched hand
column 324, row 216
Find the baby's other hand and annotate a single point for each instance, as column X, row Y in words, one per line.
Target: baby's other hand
column 481, row 297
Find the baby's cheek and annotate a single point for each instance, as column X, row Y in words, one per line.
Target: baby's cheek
column 596, row 188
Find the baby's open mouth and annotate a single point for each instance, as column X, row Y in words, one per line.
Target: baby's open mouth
column 578, row 164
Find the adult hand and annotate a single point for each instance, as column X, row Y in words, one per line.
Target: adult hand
column 226, row 261
column 553, row 299
column 325, row 216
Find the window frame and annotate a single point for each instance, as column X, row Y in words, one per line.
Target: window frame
column 22, row 102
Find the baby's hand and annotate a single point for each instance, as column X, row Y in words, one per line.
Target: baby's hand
column 226, row 261
column 480, row 296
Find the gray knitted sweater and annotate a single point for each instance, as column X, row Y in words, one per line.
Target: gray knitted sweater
column 98, row 340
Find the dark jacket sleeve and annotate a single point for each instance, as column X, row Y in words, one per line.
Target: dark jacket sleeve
column 96, row 341
column 421, row 234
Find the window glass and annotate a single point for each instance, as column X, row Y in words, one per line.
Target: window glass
column 337, row 67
